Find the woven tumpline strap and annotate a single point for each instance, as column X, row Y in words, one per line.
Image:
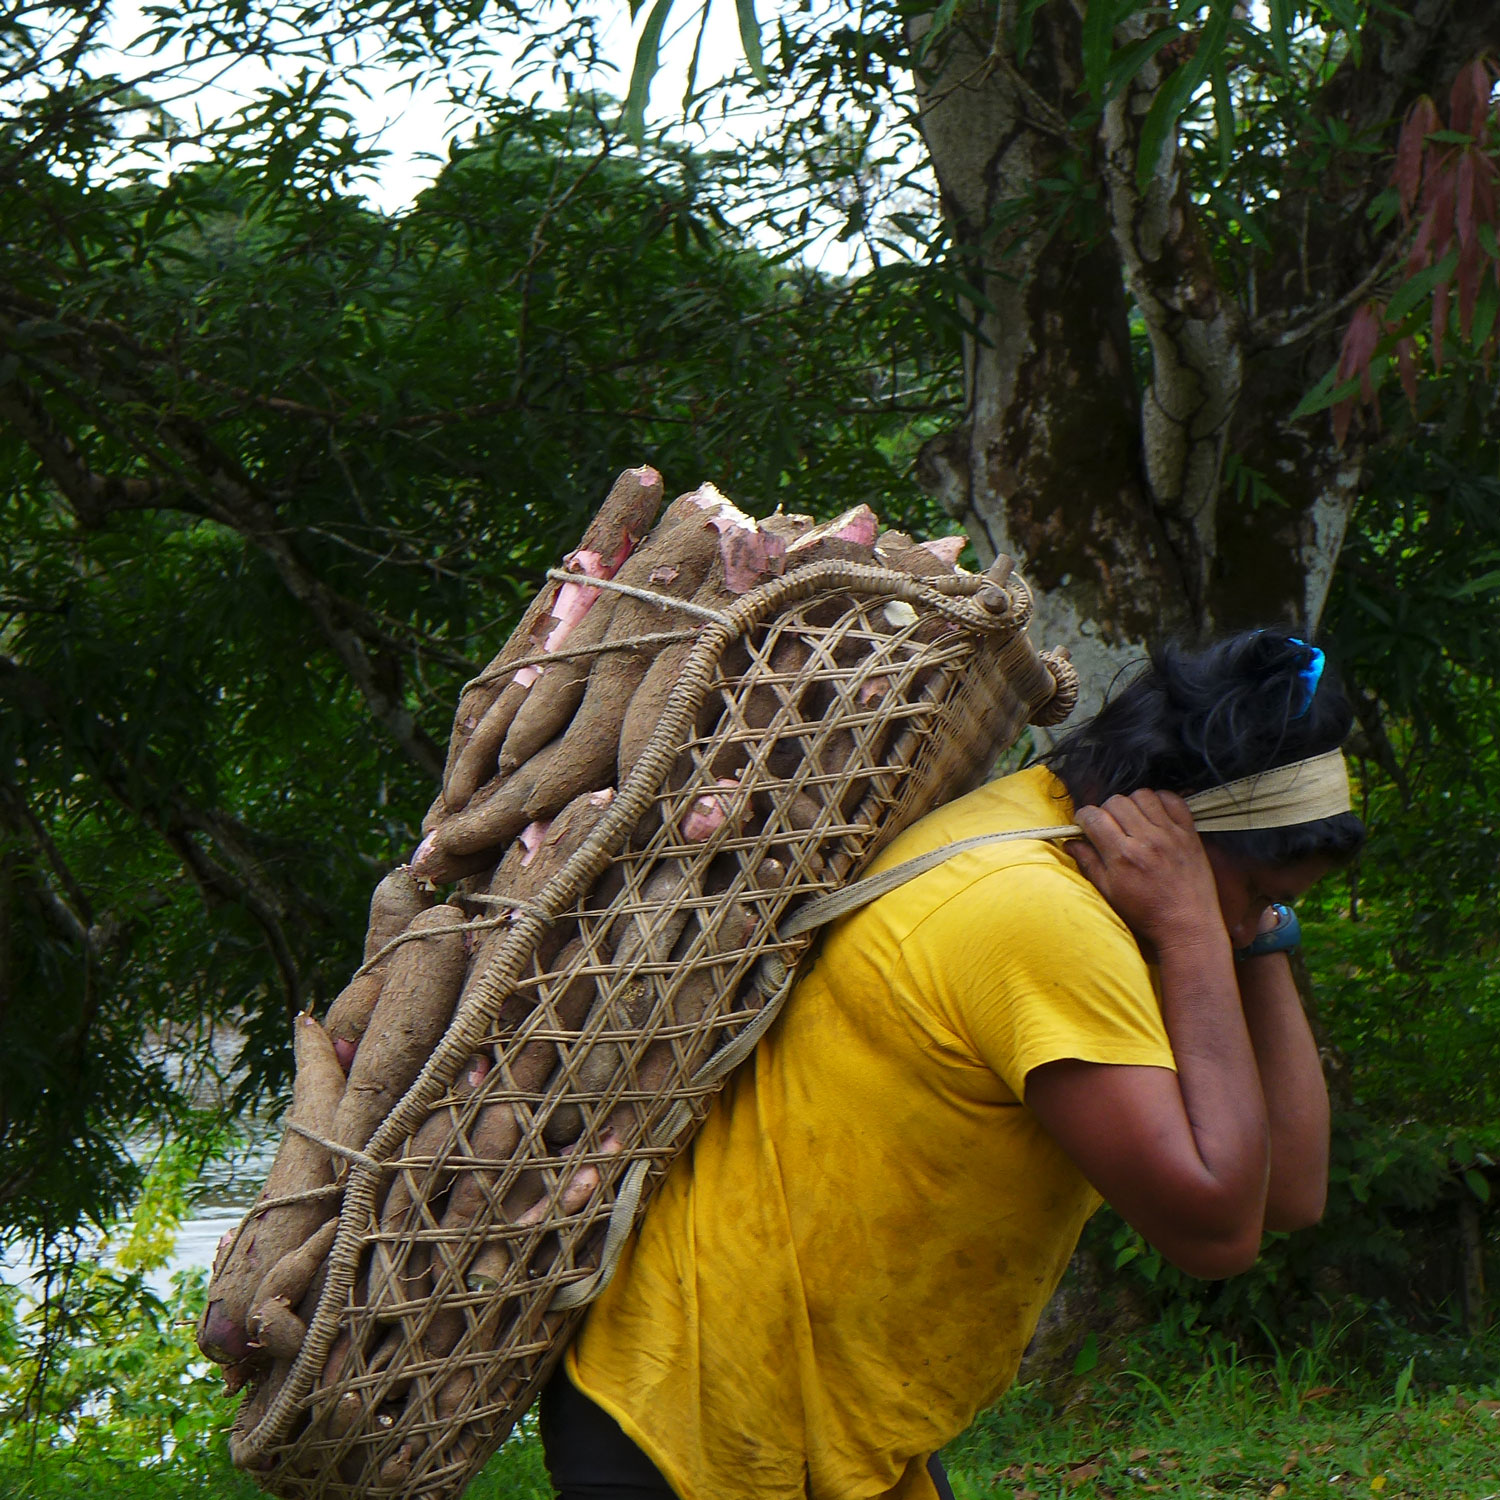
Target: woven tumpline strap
column 840, row 903
column 1301, row 792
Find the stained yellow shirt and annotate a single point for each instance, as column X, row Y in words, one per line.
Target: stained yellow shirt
column 848, row 1262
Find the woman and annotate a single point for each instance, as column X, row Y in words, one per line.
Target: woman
column 850, row 1260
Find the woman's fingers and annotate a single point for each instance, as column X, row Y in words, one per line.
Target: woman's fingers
column 1177, row 809
column 1146, row 859
column 1085, row 857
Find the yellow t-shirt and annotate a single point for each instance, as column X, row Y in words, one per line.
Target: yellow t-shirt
column 846, row 1265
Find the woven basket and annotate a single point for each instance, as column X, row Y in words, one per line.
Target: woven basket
column 435, row 1329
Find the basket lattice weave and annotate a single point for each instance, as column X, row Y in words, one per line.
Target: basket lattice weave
column 824, row 712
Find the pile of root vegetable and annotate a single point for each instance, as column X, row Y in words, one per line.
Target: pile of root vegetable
column 698, row 724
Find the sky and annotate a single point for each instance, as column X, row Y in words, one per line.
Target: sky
column 415, row 126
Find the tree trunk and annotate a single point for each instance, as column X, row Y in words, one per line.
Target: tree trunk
column 1162, row 489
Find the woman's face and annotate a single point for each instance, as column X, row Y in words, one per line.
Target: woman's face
column 1248, row 888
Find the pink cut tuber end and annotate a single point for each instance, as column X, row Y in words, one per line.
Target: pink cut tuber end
column 531, row 838
column 707, row 812
column 945, row 548
column 422, row 851
column 750, row 555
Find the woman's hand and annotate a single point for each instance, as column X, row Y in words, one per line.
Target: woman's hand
column 1146, row 859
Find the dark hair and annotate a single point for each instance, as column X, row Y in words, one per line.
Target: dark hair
column 1198, row 717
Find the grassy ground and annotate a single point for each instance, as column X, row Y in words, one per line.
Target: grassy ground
column 140, row 1418
column 1234, row 1430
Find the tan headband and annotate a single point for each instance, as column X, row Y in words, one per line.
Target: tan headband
column 1302, row 792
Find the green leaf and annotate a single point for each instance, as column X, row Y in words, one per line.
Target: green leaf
column 1223, row 116
column 1127, row 61
column 1098, row 43
column 1282, row 14
column 941, row 20
column 1025, row 18
column 1475, row 1180
column 1487, row 583
column 1347, row 16
column 1403, row 1382
column 1413, row 292
column 1176, row 93
column 1161, row 122
column 1324, row 394
column 647, row 60
column 1485, row 310
column 750, row 39
column 1088, row 1355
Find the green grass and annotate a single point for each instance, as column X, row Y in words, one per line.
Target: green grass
column 131, row 1412
column 1234, row 1428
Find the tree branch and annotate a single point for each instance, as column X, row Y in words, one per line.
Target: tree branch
column 1194, row 329
column 91, row 496
column 210, row 483
column 236, row 877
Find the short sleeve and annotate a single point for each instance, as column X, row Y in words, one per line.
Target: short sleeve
column 1030, row 965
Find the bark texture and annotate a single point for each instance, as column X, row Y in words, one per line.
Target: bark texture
column 1173, row 493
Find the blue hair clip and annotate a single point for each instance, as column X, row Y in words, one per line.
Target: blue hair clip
column 1310, row 675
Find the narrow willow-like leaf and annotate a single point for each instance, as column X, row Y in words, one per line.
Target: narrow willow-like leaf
column 1025, row 27
column 942, row 19
column 1486, row 307
column 1349, row 19
column 1327, row 392
column 1160, row 123
column 647, row 61
column 1174, row 95
column 1282, row 15
column 692, row 72
column 1223, row 116
column 1098, row 43
column 1127, row 61
column 1416, row 289
column 750, row 39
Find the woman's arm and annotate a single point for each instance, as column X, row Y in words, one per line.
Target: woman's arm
column 1183, row 1157
column 1296, row 1096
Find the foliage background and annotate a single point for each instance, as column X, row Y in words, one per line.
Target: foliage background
column 279, row 469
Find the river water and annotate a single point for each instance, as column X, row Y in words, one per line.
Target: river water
column 225, row 1188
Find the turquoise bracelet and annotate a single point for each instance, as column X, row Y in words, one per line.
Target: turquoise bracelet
column 1284, row 936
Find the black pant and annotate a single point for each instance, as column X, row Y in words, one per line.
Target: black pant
column 589, row 1458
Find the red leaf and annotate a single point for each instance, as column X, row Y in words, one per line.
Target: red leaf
column 1485, row 175
column 1439, row 322
column 1421, row 118
column 1358, row 348
column 1463, row 204
column 1483, row 87
column 1471, row 269
column 1342, row 411
column 1444, row 192
column 1406, row 366
column 1421, row 248
column 1360, row 341
column 1468, row 101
